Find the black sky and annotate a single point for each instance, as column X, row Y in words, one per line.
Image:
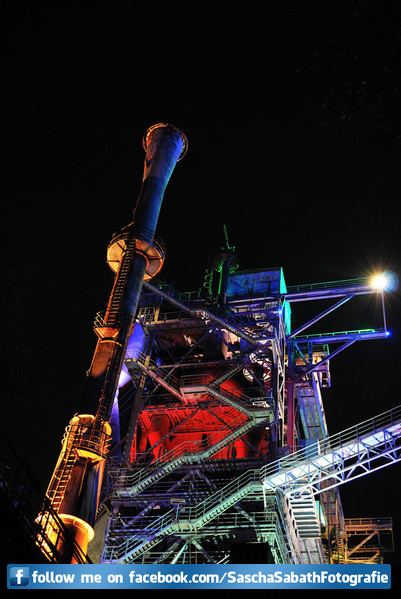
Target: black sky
column 292, row 112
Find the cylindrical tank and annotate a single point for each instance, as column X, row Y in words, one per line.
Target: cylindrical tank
column 75, row 486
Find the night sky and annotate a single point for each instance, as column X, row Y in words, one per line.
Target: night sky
column 292, row 113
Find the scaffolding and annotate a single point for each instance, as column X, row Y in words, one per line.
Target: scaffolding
column 227, row 450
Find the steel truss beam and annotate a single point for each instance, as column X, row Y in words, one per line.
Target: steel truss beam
column 321, row 315
column 336, row 460
column 331, row 289
column 345, row 290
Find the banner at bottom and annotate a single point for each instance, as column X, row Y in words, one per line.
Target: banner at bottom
column 202, row 576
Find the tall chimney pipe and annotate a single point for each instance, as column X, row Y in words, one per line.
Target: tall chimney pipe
column 135, row 255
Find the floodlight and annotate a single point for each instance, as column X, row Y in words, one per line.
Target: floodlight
column 385, row 281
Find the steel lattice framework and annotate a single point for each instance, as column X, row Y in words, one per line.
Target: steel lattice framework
column 364, row 448
column 193, row 500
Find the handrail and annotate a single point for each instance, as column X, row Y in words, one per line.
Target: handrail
column 338, row 333
column 334, row 443
column 374, row 523
column 186, row 449
column 327, row 285
column 205, row 309
column 209, row 383
column 231, row 493
column 194, row 516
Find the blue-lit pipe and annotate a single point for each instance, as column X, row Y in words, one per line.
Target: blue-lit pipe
column 164, row 146
column 134, row 252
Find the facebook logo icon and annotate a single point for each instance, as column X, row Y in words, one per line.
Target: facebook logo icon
column 19, row 577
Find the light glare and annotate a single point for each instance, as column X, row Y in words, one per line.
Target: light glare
column 385, row 281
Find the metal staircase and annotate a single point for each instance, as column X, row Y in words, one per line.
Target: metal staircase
column 194, row 519
column 180, row 388
column 299, row 489
column 209, row 312
column 297, row 477
column 129, row 485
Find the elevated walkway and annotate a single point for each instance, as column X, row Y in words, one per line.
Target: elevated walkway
column 209, row 312
column 256, row 408
column 342, row 457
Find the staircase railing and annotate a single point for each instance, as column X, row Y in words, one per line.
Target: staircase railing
column 27, row 500
column 187, row 452
column 207, row 311
column 195, row 517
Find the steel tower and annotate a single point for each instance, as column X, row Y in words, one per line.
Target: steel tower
column 220, row 449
